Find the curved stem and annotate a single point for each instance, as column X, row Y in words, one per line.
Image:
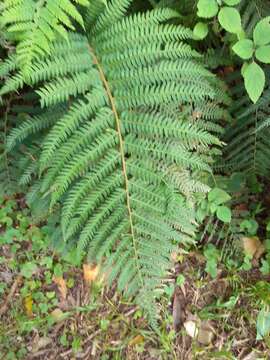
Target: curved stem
column 122, row 152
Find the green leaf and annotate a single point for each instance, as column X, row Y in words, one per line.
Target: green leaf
column 265, row 268
column 229, row 18
column 231, row 2
column 180, row 280
column 243, row 68
column 211, row 268
column 200, row 31
column 263, row 324
column 207, row 8
column 211, row 252
column 28, row 269
column 244, row 49
column 58, row 270
column 250, row 225
column 224, row 214
column 218, row 196
column 247, row 265
column 261, row 33
column 263, row 54
column 254, row 81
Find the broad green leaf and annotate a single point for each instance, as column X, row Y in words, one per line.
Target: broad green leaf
column 211, row 268
column 251, row 226
column 243, row 68
column 200, row 31
column 263, row 54
column 224, row 214
column 261, row 34
column 244, row 49
column 180, row 280
column 28, row 269
column 218, row 196
column 231, row 2
column 229, row 18
column 207, row 8
column 254, row 81
column 265, row 268
column 58, row 270
column 263, row 324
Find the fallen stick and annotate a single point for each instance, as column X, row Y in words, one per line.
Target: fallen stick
column 13, row 289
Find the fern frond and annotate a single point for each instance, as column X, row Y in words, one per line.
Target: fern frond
column 112, row 159
column 248, row 147
column 36, row 25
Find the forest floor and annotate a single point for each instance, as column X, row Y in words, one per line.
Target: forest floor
column 51, row 309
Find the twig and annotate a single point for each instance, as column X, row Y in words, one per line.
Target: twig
column 13, row 289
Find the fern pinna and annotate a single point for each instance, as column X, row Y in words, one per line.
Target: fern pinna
column 248, row 148
column 112, row 159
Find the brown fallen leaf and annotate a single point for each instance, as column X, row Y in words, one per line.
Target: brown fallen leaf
column 90, row 273
column 62, row 286
column 191, row 328
column 253, row 246
column 137, row 340
column 205, row 333
column 202, row 331
column 178, row 309
column 41, row 343
column 28, row 304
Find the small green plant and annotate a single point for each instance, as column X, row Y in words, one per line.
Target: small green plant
column 212, row 256
column 259, row 48
column 263, row 323
column 215, row 205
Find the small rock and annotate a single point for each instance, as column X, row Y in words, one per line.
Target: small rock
column 58, row 315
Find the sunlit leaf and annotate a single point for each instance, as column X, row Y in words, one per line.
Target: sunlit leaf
column 254, row 81
column 207, row 8
column 261, row 34
column 229, row 18
column 90, row 273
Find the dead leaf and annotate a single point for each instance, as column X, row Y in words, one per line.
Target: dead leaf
column 205, row 333
column 28, row 304
column 174, row 256
column 6, row 276
column 137, row 340
column 253, row 246
column 241, row 207
column 228, row 70
column 254, row 355
column 177, row 311
column 191, row 328
column 41, row 343
column 90, row 273
column 57, row 315
column 62, row 286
